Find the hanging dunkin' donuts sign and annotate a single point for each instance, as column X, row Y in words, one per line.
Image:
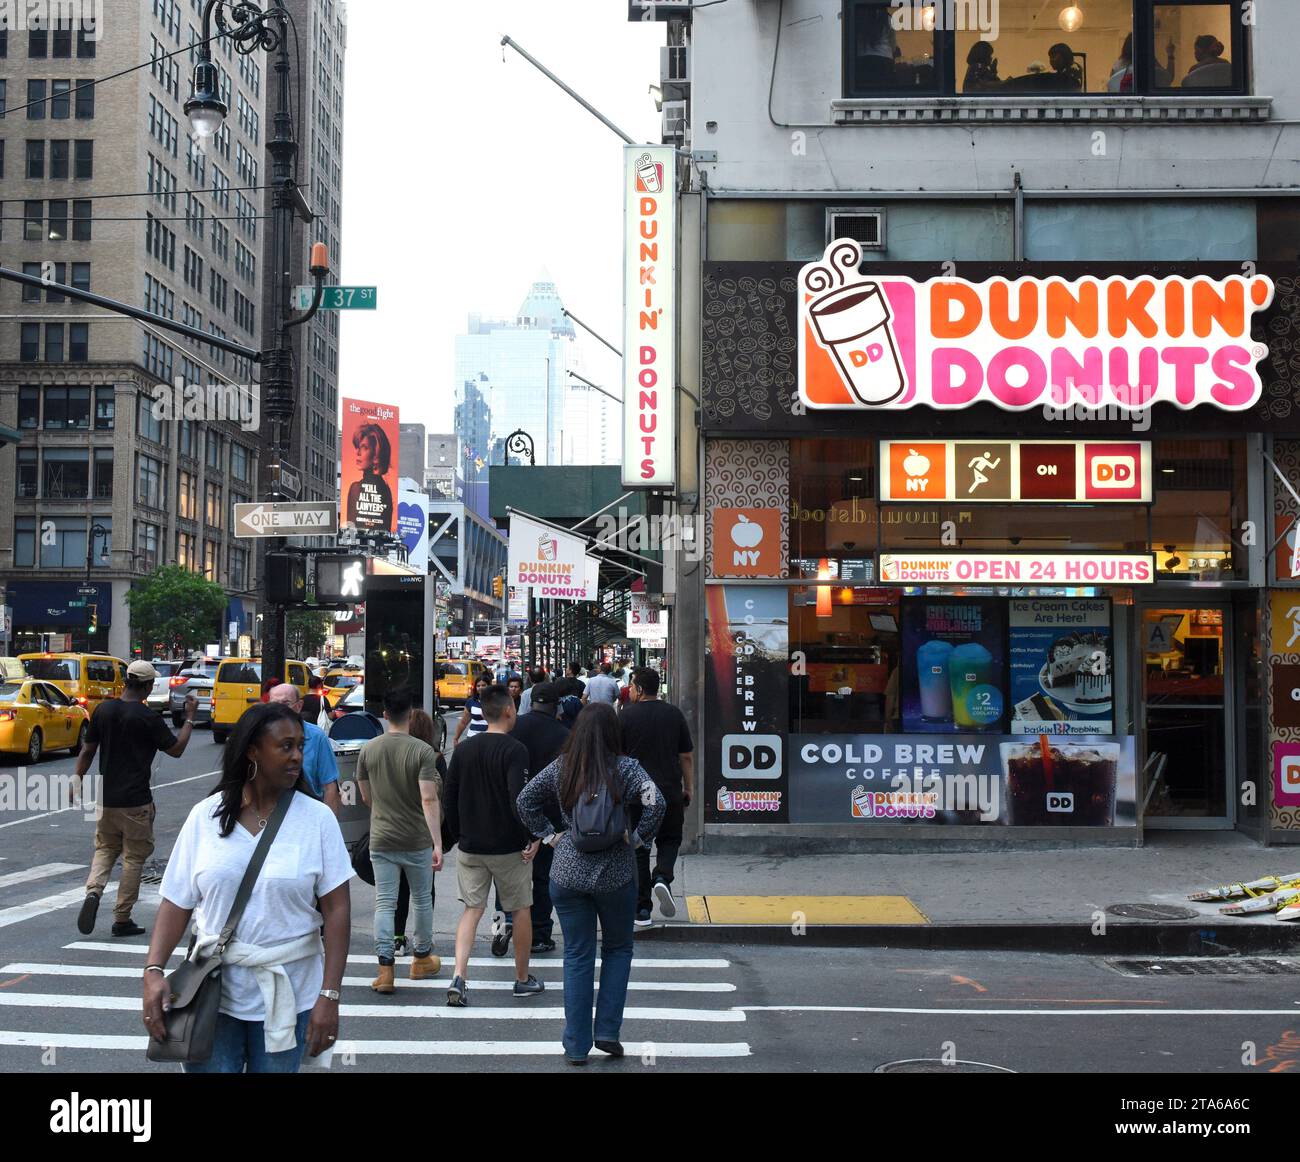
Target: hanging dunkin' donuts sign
column 886, row 341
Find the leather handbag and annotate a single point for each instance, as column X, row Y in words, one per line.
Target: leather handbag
column 194, row 987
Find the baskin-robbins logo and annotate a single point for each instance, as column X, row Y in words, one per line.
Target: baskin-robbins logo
column 748, row 800
column 887, row 341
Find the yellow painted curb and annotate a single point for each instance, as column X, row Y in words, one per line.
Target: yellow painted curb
column 786, row 910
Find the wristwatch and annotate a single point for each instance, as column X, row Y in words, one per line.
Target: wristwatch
column 330, row 994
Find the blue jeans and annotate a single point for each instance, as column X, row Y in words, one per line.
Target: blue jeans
column 418, row 866
column 578, row 913
column 240, row 1047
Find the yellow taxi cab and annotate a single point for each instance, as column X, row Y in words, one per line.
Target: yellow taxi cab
column 38, row 716
column 338, row 681
column 88, row 679
column 456, row 678
column 238, row 684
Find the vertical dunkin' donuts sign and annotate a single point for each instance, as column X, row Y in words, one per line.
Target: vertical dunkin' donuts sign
column 649, row 316
column 886, row 341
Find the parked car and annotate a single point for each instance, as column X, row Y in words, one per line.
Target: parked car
column 38, row 716
column 88, row 679
column 159, row 698
column 192, row 681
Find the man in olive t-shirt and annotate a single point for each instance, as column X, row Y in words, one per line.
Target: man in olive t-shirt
column 398, row 778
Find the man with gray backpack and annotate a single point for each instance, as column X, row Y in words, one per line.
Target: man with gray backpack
column 594, row 875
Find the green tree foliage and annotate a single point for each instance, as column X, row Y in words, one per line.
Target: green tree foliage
column 305, row 632
column 177, row 609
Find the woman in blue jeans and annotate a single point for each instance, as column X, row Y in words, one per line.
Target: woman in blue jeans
column 591, row 886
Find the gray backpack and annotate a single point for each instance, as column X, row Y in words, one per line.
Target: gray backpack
column 598, row 821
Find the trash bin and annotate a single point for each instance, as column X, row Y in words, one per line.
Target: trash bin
column 347, row 736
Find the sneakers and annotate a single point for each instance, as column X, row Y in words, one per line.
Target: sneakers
column 663, row 896
column 613, row 1048
column 399, row 946
column 643, row 918
column 426, row 966
column 125, row 927
column 457, row 993
column 530, row 987
column 501, row 938
column 86, row 917
column 543, row 944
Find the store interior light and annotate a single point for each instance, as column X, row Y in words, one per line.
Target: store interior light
column 1071, row 18
column 824, row 591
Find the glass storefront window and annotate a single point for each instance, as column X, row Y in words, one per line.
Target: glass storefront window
column 1200, row 508
column 1085, row 47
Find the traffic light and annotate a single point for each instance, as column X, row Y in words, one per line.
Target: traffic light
column 92, row 618
column 498, row 586
column 340, row 580
column 286, row 579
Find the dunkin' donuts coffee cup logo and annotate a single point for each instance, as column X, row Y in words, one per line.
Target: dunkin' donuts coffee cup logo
column 649, row 175
column 547, row 547
column 887, row 341
column 850, row 319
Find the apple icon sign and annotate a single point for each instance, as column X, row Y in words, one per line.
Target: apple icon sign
column 745, row 533
column 915, row 464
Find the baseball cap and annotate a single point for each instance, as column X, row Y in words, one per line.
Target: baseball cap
column 141, row 671
column 545, row 694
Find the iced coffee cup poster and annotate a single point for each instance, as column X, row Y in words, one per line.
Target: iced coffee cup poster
column 954, row 666
column 1062, row 664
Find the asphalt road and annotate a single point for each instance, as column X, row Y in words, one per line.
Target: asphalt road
column 71, row 1003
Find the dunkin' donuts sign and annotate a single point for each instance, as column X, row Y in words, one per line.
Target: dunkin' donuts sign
column 886, row 341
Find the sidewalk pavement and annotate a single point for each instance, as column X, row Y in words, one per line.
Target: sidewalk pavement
column 1032, row 900
column 1049, row 900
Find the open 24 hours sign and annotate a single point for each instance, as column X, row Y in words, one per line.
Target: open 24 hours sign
column 1017, row 568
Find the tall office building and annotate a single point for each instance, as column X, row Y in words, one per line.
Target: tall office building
column 318, row 112
column 473, row 419
column 111, row 476
column 521, row 367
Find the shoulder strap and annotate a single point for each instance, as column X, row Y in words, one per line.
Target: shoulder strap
column 254, row 868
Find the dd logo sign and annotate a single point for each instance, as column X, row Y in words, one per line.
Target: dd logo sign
column 751, row 756
column 1060, row 802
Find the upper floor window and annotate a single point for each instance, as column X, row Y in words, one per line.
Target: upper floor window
column 1018, row 48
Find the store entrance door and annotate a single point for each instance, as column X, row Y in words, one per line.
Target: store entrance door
column 1187, row 714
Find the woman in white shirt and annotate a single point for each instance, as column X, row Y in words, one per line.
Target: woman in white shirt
column 279, row 984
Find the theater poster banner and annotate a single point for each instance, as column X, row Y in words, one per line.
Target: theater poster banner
column 884, row 342
column 368, row 464
column 967, row 779
column 746, row 694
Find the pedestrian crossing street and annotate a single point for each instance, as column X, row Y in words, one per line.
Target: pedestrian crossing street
column 82, row 1011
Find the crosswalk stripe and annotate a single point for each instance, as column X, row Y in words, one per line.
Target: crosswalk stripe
column 21, row 912
column 424, row 1012
column 658, row 1049
column 40, row 872
column 83, row 970
column 474, row 961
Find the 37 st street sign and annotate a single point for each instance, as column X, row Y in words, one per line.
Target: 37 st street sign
column 286, row 519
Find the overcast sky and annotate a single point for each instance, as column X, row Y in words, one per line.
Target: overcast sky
column 464, row 176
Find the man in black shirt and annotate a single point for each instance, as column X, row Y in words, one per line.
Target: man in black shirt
column 487, row 772
column 656, row 735
column 128, row 736
column 543, row 734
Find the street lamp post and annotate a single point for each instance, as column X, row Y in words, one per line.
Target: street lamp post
column 248, row 28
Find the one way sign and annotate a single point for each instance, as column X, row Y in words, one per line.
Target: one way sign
column 286, row 519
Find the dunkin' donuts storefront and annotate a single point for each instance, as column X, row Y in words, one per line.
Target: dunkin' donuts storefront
column 945, row 591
